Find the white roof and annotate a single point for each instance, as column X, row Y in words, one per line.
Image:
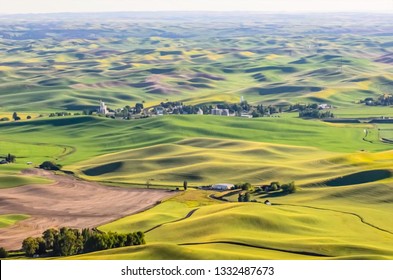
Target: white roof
column 223, row 185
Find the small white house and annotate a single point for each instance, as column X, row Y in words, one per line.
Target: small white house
column 222, row 186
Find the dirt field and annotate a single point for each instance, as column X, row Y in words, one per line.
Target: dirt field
column 68, row 202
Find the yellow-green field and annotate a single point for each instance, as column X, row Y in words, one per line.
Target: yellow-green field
column 11, row 219
column 298, row 226
column 204, row 161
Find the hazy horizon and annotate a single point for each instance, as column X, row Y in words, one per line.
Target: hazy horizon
column 278, row 6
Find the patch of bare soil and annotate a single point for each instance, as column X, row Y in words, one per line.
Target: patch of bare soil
column 69, row 202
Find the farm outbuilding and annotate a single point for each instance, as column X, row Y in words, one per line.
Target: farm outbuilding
column 222, row 186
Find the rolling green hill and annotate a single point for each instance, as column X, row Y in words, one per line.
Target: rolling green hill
column 299, row 226
column 137, row 59
column 201, row 149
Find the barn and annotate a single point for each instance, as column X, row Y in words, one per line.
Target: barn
column 222, row 186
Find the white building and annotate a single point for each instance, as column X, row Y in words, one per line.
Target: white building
column 220, row 112
column 222, row 186
column 159, row 111
column 103, row 109
column 200, row 112
column 324, row 106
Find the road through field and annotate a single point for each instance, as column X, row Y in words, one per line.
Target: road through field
column 68, row 202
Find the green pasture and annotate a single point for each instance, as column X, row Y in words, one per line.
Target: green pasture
column 201, row 149
column 11, row 219
column 385, row 131
column 363, row 111
column 15, row 180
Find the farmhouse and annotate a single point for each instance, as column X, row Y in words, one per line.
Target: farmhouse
column 222, row 186
column 220, row 112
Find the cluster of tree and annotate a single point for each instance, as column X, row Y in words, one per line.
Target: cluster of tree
column 261, row 110
column 315, row 114
column 244, row 197
column 235, row 107
column 3, row 253
column 177, row 108
column 59, row 114
column 383, row 100
column 302, row 107
column 289, row 188
column 243, row 186
column 276, row 186
column 68, row 241
column 128, row 110
column 171, row 105
column 48, row 165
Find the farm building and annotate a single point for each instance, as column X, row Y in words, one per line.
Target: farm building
column 222, row 186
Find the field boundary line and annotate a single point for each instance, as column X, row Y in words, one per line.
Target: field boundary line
column 189, row 214
column 256, row 247
column 338, row 211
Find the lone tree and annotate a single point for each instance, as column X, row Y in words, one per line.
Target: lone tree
column 15, row 117
column 10, row 158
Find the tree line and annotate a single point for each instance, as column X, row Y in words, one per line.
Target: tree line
column 383, row 100
column 68, row 241
column 247, row 190
column 315, row 114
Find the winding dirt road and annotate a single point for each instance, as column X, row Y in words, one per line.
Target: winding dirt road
column 68, row 202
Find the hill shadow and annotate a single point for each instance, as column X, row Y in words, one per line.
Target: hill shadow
column 103, row 169
column 359, row 178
